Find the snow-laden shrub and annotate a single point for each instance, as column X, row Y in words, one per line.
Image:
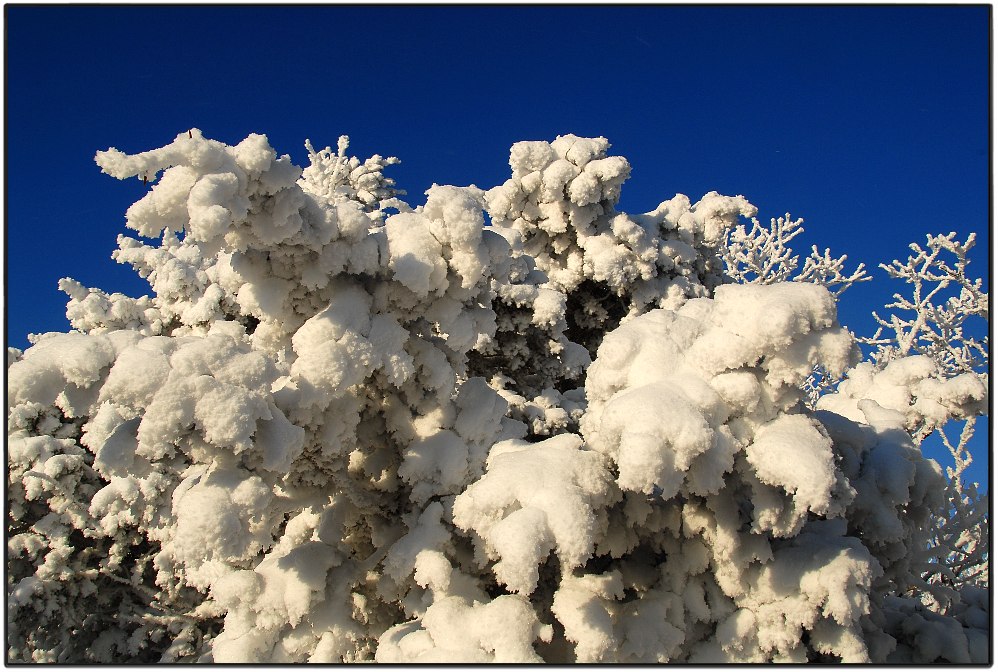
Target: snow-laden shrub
column 311, row 442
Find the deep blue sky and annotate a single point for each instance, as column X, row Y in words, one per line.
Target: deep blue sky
column 870, row 122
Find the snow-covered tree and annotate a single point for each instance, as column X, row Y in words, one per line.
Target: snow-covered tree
column 336, row 434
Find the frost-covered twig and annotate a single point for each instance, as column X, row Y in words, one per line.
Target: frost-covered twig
column 827, row 271
column 960, row 532
column 819, row 383
column 342, row 177
column 933, row 319
column 763, row 255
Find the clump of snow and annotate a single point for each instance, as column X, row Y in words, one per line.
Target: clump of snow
column 792, row 453
column 535, row 499
column 453, row 631
column 673, row 395
column 913, row 386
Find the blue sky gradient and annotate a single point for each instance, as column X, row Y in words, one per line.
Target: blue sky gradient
column 872, row 123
